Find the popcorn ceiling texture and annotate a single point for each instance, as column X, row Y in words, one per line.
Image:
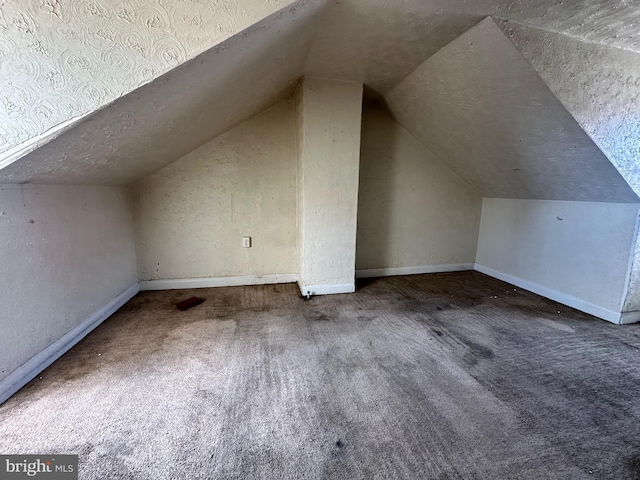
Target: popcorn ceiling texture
column 180, row 111
column 598, row 85
column 467, row 104
column 60, row 59
column 608, row 22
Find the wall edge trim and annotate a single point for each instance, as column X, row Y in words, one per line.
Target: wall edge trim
column 36, row 364
column 327, row 289
column 393, row 271
column 208, row 282
column 555, row 295
column 629, row 317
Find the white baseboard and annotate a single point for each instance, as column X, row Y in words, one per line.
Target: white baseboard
column 29, row 370
column 569, row 300
column 630, row 317
column 231, row 281
column 328, row 289
column 390, row 272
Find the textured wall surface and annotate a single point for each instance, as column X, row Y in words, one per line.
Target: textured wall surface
column 165, row 120
column 412, row 210
column 581, row 249
column 328, row 164
column 190, row 216
column 599, row 86
column 60, row 59
column 66, row 253
column 298, row 99
column 481, row 108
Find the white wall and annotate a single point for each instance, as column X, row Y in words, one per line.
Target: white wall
column 413, row 212
column 66, row 253
column 577, row 251
column 632, row 299
column 190, row 216
column 329, row 116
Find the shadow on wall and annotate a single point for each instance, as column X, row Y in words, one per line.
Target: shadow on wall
column 376, row 199
column 414, row 214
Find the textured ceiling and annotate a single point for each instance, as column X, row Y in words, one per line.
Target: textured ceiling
column 597, row 84
column 166, row 119
column 379, row 42
column 61, row 60
column 479, row 106
column 609, row 22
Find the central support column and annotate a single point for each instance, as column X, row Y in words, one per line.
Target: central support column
column 329, row 116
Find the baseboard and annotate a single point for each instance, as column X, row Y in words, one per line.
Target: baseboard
column 328, row 289
column 231, row 281
column 569, row 300
column 630, row 317
column 29, row 370
column 390, row 272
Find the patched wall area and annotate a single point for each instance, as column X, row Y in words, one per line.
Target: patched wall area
column 190, row 216
column 67, row 251
column 412, row 210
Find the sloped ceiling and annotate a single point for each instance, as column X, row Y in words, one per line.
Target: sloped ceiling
column 607, row 22
column 599, row 85
column 166, row 119
column 374, row 41
column 61, row 59
column 480, row 107
column 379, row 42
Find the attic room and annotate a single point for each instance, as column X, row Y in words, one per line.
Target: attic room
column 410, row 228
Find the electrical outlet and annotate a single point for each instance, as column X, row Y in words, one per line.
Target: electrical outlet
column 246, row 242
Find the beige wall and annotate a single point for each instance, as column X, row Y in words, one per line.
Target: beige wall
column 190, row 216
column 412, row 210
column 329, row 117
column 66, row 253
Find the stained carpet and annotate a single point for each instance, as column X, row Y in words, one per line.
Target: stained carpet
column 429, row 376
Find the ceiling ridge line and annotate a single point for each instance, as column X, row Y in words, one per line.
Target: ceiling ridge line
column 562, row 34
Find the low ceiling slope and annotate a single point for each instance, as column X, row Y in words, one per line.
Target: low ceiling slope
column 87, row 53
column 598, row 84
column 61, row 59
column 480, row 107
column 168, row 118
column 379, row 42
